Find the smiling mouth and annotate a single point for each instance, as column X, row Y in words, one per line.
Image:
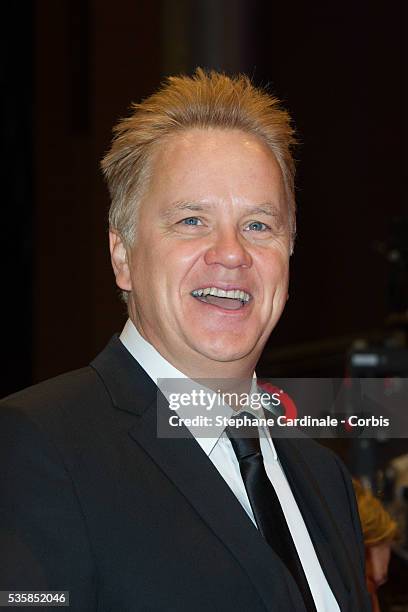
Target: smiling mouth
column 233, row 299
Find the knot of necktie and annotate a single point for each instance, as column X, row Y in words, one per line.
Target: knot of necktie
column 244, row 447
column 245, row 439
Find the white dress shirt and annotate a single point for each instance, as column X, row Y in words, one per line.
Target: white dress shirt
column 219, row 450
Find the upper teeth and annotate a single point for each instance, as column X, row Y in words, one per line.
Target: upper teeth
column 235, row 294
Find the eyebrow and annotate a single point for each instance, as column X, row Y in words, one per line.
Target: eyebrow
column 266, row 208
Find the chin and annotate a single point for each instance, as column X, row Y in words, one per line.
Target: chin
column 223, row 350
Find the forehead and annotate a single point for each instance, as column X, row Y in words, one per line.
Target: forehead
column 214, row 164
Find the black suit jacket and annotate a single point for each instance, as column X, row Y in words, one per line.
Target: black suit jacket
column 93, row 502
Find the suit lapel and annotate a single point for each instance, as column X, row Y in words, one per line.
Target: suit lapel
column 327, row 540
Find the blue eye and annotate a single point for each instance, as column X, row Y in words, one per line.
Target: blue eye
column 191, row 221
column 257, row 226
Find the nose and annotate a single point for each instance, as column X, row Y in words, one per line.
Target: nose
column 228, row 249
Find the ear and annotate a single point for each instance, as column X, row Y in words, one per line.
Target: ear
column 119, row 259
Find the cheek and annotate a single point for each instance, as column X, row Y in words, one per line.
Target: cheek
column 274, row 276
column 180, row 263
column 158, row 275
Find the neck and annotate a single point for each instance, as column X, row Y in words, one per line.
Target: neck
column 221, row 376
column 196, row 366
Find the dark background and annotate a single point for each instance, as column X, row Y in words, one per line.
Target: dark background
column 70, row 69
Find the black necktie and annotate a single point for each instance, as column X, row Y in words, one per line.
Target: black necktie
column 266, row 507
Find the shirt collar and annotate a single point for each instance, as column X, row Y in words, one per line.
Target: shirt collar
column 157, row 367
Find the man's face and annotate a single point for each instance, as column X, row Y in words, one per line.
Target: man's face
column 214, row 218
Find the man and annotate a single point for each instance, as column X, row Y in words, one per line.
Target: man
column 94, row 501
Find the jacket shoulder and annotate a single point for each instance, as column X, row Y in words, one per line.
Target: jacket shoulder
column 61, row 401
column 67, row 388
